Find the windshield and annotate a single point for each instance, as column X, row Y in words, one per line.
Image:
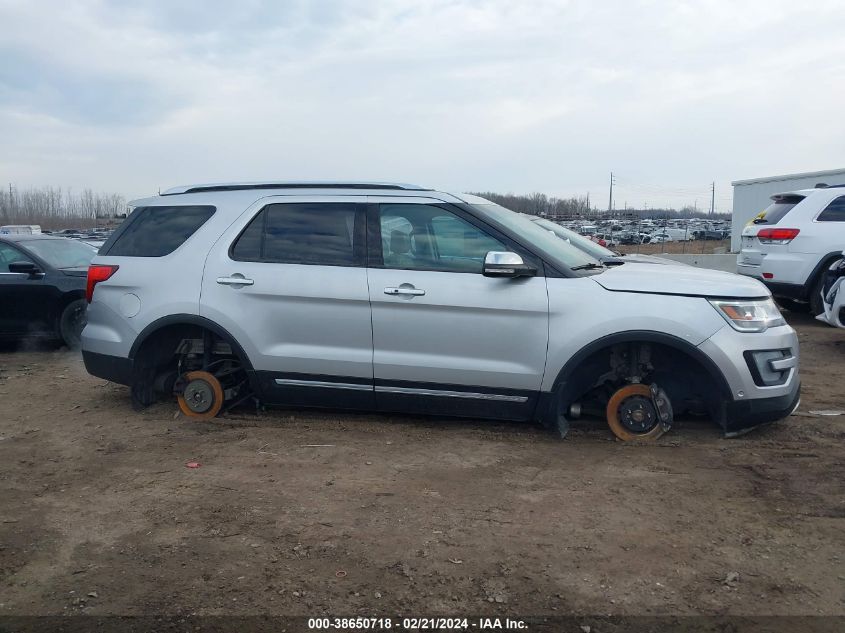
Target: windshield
column 578, row 241
column 61, row 253
column 531, row 233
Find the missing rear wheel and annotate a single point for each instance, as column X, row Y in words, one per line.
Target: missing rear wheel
column 202, row 396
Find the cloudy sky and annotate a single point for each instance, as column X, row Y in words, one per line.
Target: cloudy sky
column 463, row 95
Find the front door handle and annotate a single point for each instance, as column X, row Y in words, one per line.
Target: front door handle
column 235, row 280
column 404, row 290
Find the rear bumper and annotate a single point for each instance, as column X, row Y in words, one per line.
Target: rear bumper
column 787, row 291
column 743, row 415
column 112, row 368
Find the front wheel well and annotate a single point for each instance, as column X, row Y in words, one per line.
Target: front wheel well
column 690, row 379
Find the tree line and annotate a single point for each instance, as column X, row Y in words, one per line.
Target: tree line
column 55, row 208
column 579, row 207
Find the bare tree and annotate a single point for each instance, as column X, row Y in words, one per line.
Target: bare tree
column 53, row 208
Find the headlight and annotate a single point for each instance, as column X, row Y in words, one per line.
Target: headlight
column 749, row 315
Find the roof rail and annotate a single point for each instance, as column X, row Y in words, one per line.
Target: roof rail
column 244, row 186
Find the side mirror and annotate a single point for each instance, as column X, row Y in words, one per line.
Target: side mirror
column 25, row 268
column 503, row 264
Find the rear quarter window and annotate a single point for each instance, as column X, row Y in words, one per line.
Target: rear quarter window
column 834, row 212
column 156, row 231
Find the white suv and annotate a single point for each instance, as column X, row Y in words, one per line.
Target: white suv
column 791, row 244
column 400, row 298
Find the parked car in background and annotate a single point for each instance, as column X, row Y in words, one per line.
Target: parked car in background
column 791, row 244
column 400, row 298
column 668, row 234
column 601, row 253
column 708, row 234
column 660, row 238
column 42, row 286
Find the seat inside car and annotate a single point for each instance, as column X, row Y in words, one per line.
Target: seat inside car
column 400, row 250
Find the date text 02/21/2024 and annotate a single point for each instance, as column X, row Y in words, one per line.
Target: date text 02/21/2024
column 416, row 624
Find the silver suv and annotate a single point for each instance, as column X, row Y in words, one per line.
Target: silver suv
column 395, row 297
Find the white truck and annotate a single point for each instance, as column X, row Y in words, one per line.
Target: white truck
column 20, row 229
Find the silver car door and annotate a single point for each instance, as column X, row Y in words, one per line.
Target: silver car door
column 288, row 281
column 446, row 339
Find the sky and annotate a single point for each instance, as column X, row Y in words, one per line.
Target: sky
column 465, row 95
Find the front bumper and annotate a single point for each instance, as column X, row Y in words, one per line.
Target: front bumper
column 749, row 404
column 741, row 416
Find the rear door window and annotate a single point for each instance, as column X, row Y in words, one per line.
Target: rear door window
column 327, row 234
column 834, row 212
column 156, row 231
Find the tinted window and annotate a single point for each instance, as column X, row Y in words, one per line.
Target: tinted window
column 327, row 234
column 247, row 248
column 424, row 237
column 157, row 231
column 776, row 211
column 835, row 211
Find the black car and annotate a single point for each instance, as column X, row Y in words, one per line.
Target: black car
column 708, row 234
column 42, row 287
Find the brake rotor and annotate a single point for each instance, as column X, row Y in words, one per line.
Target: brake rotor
column 202, row 397
column 632, row 413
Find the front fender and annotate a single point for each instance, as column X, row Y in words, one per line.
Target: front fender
column 576, row 328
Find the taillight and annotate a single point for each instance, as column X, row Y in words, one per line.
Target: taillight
column 96, row 274
column 777, row 236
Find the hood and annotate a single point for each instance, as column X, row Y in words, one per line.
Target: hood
column 679, row 280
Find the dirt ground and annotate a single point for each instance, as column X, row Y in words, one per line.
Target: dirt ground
column 311, row 513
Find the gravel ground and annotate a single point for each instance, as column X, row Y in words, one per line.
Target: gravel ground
column 313, row 513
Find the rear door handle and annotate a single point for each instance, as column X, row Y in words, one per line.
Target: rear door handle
column 235, row 280
column 416, row 292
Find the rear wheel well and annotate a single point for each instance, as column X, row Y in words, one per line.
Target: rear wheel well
column 171, row 350
column 692, row 383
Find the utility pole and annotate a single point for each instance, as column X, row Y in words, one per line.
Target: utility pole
column 713, row 199
column 610, row 200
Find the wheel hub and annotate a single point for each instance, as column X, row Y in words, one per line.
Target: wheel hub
column 637, row 414
column 199, row 396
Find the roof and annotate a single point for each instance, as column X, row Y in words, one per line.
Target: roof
column 299, row 184
column 809, row 174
